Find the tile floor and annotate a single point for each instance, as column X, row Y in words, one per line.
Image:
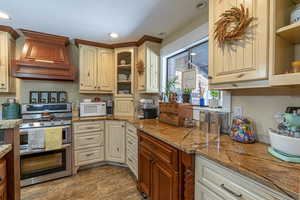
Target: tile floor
column 101, row 183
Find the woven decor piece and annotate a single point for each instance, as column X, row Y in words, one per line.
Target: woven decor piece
column 232, row 25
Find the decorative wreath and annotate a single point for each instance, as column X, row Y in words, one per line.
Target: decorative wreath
column 232, row 25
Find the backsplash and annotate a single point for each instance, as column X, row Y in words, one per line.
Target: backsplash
column 262, row 109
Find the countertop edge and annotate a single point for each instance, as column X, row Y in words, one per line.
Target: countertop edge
column 4, row 149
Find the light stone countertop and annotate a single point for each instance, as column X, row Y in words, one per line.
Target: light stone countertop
column 8, row 124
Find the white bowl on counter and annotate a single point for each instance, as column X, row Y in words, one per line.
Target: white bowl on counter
column 285, row 144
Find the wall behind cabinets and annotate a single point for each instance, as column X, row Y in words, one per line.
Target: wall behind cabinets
column 262, row 110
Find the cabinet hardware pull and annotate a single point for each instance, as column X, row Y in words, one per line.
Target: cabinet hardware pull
column 129, row 142
column 210, row 77
column 230, row 191
column 241, row 75
column 129, row 160
column 89, row 138
column 2, row 84
column 118, row 149
column 90, row 154
column 234, row 85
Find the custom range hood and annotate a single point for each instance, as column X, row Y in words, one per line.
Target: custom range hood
column 44, row 57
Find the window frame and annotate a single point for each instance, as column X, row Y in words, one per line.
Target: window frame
column 188, row 49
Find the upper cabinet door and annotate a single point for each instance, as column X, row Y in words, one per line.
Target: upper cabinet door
column 106, row 70
column 152, row 71
column 88, row 68
column 3, row 62
column 242, row 60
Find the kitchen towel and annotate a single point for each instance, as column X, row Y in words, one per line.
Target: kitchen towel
column 36, row 138
column 53, row 138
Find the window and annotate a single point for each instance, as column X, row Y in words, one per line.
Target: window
column 195, row 57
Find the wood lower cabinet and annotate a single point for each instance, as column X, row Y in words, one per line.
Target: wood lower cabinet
column 3, row 180
column 165, row 173
column 164, row 183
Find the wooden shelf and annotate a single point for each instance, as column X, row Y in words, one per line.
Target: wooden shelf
column 127, row 82
column 125, row 66
column 290, row 33
column 285, row 79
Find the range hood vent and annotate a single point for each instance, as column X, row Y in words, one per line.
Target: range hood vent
column 44, row 57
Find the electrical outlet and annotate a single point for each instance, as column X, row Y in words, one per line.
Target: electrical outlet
column 237, row 111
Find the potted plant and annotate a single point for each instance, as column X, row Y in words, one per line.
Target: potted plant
column 186, row 95
column 214, row 102
column 170, row 94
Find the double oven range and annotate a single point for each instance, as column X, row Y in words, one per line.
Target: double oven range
column 37, row 164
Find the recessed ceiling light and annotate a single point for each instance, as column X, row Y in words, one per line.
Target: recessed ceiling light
column 4, row 15
column 114, row 35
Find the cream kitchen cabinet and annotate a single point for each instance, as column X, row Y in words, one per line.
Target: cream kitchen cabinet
column 124, row 107
column 215, row 182
column 115, row 145
column 245, row 60
column 132, row 148
column 96, row 71
column 7, row 47
column 89, row 143
column 148, row 79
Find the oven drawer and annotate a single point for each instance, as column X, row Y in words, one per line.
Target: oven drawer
column 85, row 127
column 89, row 156
column 83, row 141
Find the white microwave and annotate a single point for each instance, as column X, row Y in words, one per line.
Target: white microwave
column 92, row 109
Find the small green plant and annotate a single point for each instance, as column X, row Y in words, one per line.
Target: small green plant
column 215, row 94
column 170, row 86
column 187, row 91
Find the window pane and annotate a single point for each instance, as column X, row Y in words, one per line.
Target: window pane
column 176, row 65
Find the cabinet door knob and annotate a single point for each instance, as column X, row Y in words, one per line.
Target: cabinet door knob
column 210, row 77
column 240, row 75
column 81, row 84
column 2, row 84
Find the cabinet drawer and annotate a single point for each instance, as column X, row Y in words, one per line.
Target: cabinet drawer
column 85, row 127
column 89, row 156
column 86, row 141
column 131, row 130
column 162, row 151
column 232, row 185
column 2, row 170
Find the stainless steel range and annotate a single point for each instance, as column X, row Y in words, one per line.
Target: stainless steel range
column 37, row 164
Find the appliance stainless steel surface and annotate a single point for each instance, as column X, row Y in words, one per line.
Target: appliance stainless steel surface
column 92, row 109
column 37, row 164
column 147, row 109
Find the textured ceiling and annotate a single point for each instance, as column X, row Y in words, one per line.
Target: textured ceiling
column 94, row 19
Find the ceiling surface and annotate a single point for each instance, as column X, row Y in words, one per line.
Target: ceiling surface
column 94, row 19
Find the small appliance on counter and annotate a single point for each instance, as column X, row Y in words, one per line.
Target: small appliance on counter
column 92, row 109
column 285, row 140
column 11, row 110
column 147, row 109
column 109, row 108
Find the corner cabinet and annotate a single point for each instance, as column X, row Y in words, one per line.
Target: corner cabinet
column 148, row 76
column 96, row 69
column 245, row 60
column 124, row 107
column 115, row 141
column 7, row 48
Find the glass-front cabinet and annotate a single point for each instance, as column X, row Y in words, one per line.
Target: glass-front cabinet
column 124, row 72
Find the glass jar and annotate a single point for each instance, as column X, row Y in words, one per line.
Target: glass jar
column 295, row 15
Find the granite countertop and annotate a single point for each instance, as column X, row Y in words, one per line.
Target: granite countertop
column 4, row 149
column 7, row 124
column 252, row 160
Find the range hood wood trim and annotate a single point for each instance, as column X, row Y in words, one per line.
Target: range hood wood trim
column 44, row 57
